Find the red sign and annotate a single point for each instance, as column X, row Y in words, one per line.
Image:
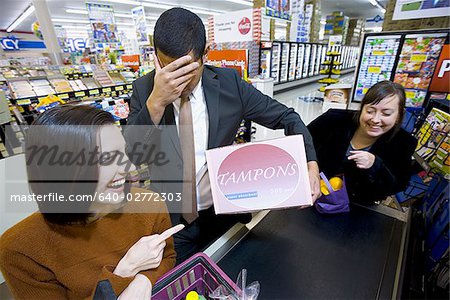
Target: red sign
column 235, row 59
column 244, row 25
column 441, row 78
column 131, row 61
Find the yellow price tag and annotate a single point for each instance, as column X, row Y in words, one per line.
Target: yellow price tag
column 374, row 69
column 378, row 52
column 119, row 88
column 94, row 92
column 448, row 96
column 64, row 96
column 419, row 57
column 24, row 102
column 129, row 86
column 410, row 95
column 106, row 90
column 80, row 94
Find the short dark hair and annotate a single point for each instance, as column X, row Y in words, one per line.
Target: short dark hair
column 381, row 90
column 69, row 129
column 178, row 32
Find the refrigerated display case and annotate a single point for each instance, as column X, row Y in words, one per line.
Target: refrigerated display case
column 284, row 66
column 306, row 60
column 408, row 58
column 275, row 65
column 293, row 61
column 318, row 61
column 300, row 59
column 312, row 63
column 265, row 62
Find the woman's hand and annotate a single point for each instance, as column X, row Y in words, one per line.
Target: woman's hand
column 139, row 288
column 363, row 159
column 146, row 254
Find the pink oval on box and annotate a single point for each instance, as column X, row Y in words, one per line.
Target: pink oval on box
column 263, row 173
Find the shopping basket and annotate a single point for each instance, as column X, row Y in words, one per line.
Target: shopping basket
column 199, row 273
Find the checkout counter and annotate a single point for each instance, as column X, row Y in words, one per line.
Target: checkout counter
column 301, row 254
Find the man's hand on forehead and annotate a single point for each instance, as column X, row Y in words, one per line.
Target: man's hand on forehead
column 169, row 83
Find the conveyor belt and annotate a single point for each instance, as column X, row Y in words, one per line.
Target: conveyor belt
column 301, row 254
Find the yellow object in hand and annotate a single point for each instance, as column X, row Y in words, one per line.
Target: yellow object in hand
column 192, row 295
column 336, row 183
column 323, row 188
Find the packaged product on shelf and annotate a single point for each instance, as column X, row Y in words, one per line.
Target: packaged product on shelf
column 89, row 82
column 103, row 78
column 128, row 76
column 44, row 90
column 119, row 109
column 80, row 84
column 117, row 78
column 22, row 89
column 74, row 85
column 61, row 85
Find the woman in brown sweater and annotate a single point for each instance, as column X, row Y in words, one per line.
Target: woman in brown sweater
column 103, row 229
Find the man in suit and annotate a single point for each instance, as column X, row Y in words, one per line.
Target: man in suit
column 218, row 101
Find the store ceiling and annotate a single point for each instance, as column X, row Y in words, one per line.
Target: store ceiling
column 11, row 9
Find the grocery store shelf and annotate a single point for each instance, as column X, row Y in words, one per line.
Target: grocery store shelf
column 283, row 87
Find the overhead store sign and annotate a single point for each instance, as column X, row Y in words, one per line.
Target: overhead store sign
column 279, row 8
column 413, row 9
column 234, row 27
column 131, row 61
column 103, row 23
column 76, row 44
column 138, row 14
column 14, row 44
column 235, row 59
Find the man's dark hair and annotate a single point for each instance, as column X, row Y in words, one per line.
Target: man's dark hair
column 59, row 133
column 178, row 32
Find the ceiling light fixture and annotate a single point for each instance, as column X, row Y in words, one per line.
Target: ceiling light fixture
column 192, row 9
column 119, row 15
column 76, row 21
column 243, row 2
column 165, row 6
column 373, row 2
column 130, row 2
column 280, row 24
column 20, row 19
column 76, row 11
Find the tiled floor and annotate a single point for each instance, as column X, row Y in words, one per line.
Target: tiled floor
column 308, row 111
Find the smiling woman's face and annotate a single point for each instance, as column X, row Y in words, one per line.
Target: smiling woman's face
column 113, row 168
column 377, row 119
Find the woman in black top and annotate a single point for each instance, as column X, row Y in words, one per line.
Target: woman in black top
column 368, row 146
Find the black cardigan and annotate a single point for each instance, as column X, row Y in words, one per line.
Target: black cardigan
column 391, row 171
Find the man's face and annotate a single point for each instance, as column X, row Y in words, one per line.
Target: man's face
column 164, row 60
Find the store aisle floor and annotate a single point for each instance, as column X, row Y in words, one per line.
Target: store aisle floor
column 308, row 111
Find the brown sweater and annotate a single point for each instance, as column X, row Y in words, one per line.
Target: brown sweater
column 44, row 261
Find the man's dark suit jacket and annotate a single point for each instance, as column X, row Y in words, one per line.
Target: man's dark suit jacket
column 390, row 173
column 229, row 100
